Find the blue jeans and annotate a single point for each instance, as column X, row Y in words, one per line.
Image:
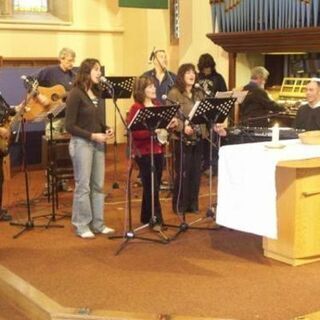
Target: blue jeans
column 88, row 160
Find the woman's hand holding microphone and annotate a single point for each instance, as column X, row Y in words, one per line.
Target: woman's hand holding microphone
column 103, row 137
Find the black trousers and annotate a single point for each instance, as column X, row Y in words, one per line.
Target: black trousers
column 144, row 163
column 187, row 177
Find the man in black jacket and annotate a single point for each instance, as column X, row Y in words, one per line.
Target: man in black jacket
column 211, row 81
column 257, row 106
column 308, row 115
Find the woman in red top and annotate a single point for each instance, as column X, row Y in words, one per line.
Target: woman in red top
column 144, row 94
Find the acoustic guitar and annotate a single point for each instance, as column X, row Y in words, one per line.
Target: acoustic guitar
column 45, row 100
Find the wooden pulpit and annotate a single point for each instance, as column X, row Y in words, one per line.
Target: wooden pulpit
column 298, row 213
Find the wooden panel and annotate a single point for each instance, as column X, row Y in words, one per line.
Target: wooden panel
column 282, row 40
column 298, row 210
column 29, row 62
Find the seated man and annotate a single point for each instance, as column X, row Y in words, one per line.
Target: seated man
column 257, row 105
column 308, row 115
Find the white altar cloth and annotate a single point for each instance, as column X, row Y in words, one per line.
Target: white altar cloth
column 247, row 199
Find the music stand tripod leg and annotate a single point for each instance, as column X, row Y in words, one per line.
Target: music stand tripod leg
column 29, row 224
column 210, row 213
column 115, row 184
column 130, row 233
column 52, row 217
column 153, row 220
column 184, row 225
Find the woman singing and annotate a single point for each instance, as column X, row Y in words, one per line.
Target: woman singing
column 188, row 142
column 85, row 121
column 144, row 94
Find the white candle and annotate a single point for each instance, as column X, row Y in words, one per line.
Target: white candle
column 275, row 133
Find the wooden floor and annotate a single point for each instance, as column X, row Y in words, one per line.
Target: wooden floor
column 216, row 274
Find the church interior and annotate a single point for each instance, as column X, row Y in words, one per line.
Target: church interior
column 204, row 264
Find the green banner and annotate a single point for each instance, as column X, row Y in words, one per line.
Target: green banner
column 147, row 4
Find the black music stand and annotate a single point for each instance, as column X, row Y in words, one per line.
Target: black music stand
column 209, row 111
column 50, row 115
column 117, row 88
column 145, row 119
column 29, row 223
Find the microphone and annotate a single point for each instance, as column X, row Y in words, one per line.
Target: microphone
column 206, row 92
column 29, row 82
column 151, row 55
column 105, row 81
column 165, row 98
column 106, row 85
column 27, row 79
column 181, row 115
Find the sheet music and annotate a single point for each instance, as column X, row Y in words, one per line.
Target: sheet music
column 238, row 94
column 223, row 94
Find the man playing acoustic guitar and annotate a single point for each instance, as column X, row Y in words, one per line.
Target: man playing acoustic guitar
column 61, row 74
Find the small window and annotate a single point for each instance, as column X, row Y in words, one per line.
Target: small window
column 30, row 6
column 36, row 11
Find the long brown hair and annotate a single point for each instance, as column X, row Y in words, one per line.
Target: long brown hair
column 83, row 78
column 139, row 88
column 206, row 61
column 183, row 69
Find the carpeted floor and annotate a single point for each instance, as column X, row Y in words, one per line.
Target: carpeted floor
column 202, row 273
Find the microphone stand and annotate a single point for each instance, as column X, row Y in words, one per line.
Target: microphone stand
column 184, row 226
column 165, row 70
column 115, row 184
column 130, row 232
column 111, row 90
column 29, row 223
